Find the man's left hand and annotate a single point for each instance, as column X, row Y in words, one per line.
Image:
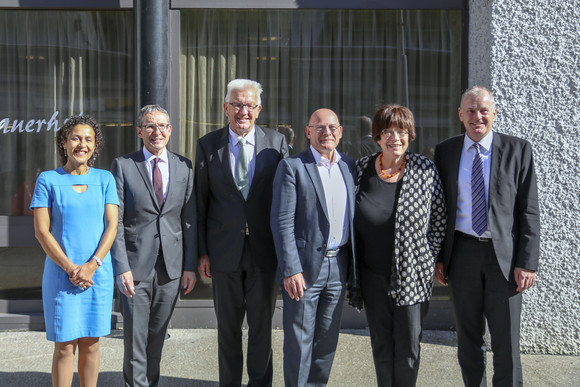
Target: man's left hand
column 524, row 278
column 189, row 280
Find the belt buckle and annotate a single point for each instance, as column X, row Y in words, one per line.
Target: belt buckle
column 331, row 253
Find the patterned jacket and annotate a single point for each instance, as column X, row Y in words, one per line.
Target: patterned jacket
column 420, row 223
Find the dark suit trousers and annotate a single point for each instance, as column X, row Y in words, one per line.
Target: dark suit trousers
column 312, row 325
column 480, row 291
column 395, row 332
column 145, row 320
column 252, row 292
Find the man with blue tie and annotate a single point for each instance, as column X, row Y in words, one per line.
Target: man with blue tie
column 491, row 247
column 312, row 214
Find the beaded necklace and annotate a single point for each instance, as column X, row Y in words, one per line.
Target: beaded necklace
column 384, row 174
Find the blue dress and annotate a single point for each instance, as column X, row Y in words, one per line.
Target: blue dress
column 77, row 222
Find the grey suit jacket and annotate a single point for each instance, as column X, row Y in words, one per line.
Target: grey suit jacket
column 144, row 228
column 222, row 211
column 299, row 219
column 514, row 217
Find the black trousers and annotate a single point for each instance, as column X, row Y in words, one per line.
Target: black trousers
column 252, row 292
column 395, row 332
column 480, row 291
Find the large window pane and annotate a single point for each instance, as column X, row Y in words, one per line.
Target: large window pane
column 54, row 64
column 351, row 61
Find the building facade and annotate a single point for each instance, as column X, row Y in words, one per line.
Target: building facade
column 62, row 60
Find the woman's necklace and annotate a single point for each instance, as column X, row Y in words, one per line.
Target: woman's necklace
column 384, row 174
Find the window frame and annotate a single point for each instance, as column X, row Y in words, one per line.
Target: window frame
column 11, row 230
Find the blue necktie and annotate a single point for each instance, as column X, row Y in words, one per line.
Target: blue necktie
column 478, row 201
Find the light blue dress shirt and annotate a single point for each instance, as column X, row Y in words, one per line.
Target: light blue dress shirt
column 336, row 198
column 463, row 214
column 163, row 166
column 249, row 146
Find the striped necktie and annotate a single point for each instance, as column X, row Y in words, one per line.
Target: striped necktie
column 478, row 201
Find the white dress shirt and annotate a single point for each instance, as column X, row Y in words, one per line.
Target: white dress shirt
column 163, row 166
column 249, row 146
column 463, row 214
column 336, row 198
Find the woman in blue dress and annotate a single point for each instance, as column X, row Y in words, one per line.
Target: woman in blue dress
column 75, row 221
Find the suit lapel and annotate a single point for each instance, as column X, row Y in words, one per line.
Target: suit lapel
column 260, row 138
column 172, row 177
column 312, row 170
column 455, row 158
column 223, row 151
column 349, row 187
column 140, row 164
column 496, row 156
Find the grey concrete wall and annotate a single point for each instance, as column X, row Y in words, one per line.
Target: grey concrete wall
column 528, row 54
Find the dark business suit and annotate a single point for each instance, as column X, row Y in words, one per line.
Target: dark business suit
column 513, row 219
column 235, row 252
column 300, row 224
column 156, row 245
column 368, row 146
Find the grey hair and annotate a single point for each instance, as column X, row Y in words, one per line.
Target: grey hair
column 244, row 84
column 477, row 91
column 150, row 109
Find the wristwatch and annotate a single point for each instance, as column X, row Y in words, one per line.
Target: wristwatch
column 98, row 260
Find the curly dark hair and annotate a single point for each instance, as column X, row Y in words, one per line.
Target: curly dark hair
column 64, row 132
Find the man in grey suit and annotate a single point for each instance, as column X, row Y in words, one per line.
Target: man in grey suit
column 155, row 243
column 312, row 214
column 234, row 170
column 491, row 247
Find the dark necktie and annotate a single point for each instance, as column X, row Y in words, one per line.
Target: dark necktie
column 157, row 181
column 478, row 201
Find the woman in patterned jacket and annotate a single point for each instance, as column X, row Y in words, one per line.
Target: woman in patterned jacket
column 399, row 227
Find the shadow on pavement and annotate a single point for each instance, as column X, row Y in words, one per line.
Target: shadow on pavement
column 40, row 379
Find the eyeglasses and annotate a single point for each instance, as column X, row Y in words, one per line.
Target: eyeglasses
column 240, row 106
column 391, row 132
column 150, row 128
column 322, row 128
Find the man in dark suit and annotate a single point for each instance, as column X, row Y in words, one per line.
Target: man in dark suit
column 155, row 243
column 491, row 247
column 368, row 146
column 312, row 214
column 288, row 132
column 234, row 171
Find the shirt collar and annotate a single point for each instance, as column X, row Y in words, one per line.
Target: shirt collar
column 320, row 160
column 485, row 142
column 150, row 156
column 235, row 138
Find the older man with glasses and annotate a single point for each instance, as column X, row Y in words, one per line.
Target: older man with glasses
column 234, row 172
